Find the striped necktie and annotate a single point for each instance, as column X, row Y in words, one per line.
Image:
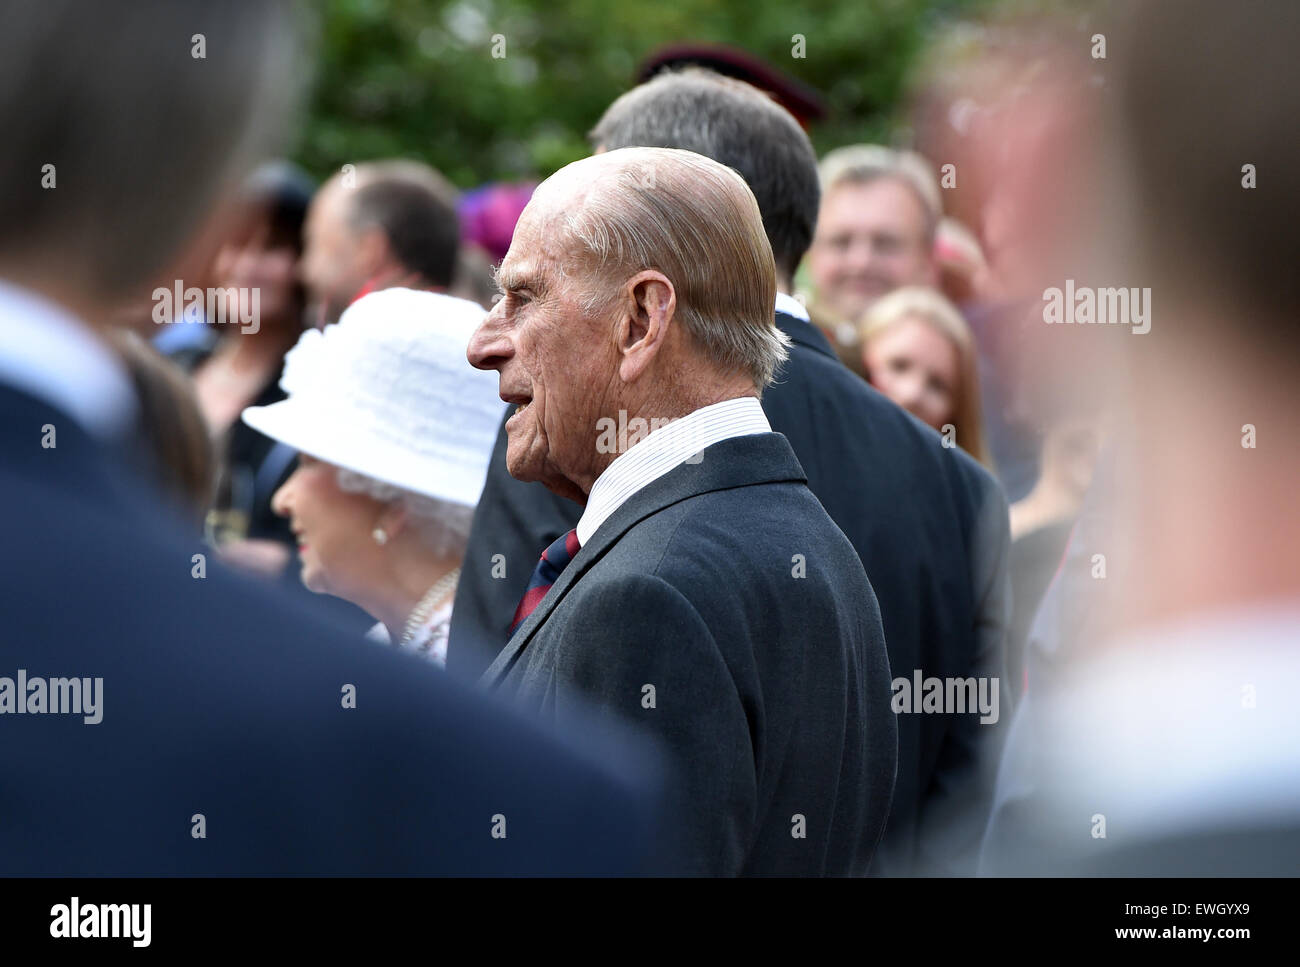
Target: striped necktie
column 554, row 560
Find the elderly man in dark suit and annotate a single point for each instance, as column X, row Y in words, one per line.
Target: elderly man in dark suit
column 928, row 523
column 704, row 593
column 159, row 714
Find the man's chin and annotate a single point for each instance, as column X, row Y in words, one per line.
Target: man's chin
column 521, row 465
column 520, row 472
column 526, row 469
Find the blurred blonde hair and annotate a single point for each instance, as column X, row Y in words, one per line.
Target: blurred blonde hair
column 171, row 425
column 914, row 302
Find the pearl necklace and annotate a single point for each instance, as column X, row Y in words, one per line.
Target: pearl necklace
column 431, row 599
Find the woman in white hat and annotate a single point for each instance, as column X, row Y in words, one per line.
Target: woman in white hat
column 394, row 430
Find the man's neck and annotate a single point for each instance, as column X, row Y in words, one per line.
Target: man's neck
column 88, row 310
column 1210, row 508
column 395, row 277
column 635, row 422
column 49, row 349
column 657, row 450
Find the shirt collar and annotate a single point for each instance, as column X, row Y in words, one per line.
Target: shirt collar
column 656, row 450
column 791, row 307
column 49, row 353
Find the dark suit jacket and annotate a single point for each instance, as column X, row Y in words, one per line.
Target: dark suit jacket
column 224, row 700
column 721, row 610
column 930, row 526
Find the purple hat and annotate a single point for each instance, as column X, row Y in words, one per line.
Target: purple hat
column 488, row 215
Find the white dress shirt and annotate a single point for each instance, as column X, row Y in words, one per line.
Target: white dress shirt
column 660, row 451
column 792, row 307
column 47, row 352
column 654, row 455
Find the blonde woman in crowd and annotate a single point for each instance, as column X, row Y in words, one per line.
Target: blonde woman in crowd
column 918, row 351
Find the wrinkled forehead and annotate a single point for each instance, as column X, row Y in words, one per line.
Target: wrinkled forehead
column 564, row 193
column 542, row 233
column 538, row 242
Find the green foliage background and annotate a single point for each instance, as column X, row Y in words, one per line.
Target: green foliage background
column 416, row 78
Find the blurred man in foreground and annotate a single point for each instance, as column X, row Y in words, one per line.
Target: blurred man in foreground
column 1166, row 742
column 160, row 714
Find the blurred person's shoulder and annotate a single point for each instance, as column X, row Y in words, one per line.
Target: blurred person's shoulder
column 1178, row 748
column 214, row 684
column 815, row 383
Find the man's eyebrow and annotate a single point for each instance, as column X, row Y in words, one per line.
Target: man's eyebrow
column 510, row 278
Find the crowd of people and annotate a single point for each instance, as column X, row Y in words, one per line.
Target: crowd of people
column 707, row 507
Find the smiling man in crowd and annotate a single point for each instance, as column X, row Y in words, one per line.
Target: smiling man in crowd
column 705, row 594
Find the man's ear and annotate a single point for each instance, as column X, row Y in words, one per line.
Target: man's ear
column 650, row 306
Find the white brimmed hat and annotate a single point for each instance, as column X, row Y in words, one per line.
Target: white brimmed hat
column 387, row 392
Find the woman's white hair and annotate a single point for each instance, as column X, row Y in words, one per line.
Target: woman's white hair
column 442, row 526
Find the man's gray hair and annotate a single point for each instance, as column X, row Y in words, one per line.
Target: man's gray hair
column 736, row 125
column 126, row 122
column 862, row 163
column 443, row 526
column 697, row 222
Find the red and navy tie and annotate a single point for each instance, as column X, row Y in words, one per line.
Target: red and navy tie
column 554, row 560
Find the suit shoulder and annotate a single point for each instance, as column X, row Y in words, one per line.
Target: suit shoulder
column 708, row 545
column 811, row 381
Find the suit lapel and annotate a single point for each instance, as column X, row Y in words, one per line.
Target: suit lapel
column 737, row 462
column 524, row 633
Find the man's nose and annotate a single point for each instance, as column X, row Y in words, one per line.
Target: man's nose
column 860, row 256
column 490, row 346
column 280, row 499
